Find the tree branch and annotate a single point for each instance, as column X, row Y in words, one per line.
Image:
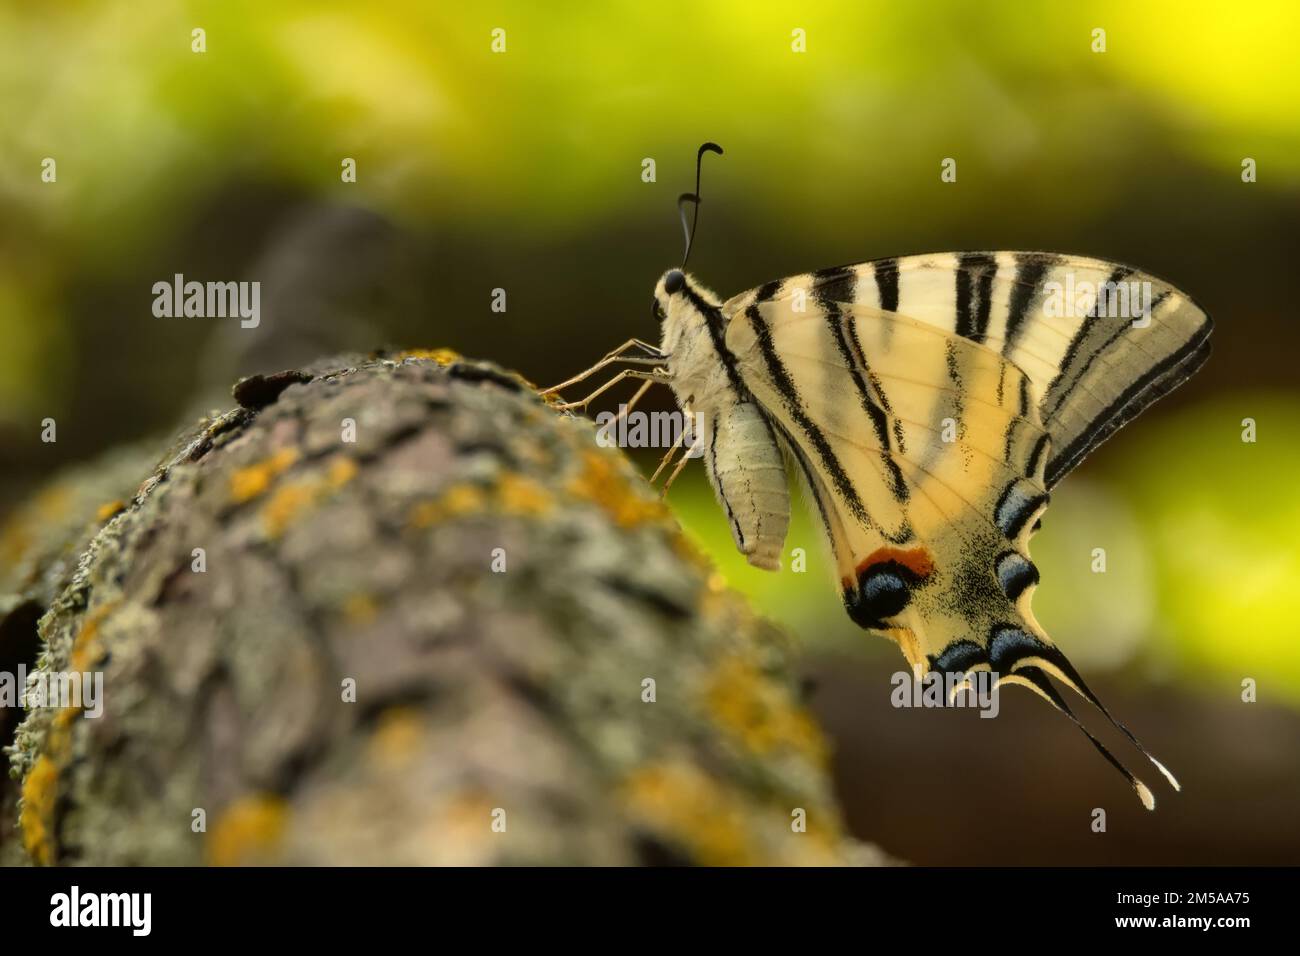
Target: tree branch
column 504, row 596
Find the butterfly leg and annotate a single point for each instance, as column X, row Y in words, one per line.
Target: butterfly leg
column 603, row 363
column 655, row 375
column 631, row 404
column 653, row 350
column 663, row 463
column 654, row 357
column 693, row 452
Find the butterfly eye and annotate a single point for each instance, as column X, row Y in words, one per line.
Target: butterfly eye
column 674, row 281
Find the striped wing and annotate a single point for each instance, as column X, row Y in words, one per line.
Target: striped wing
column 929, row 448
column 1066, row 321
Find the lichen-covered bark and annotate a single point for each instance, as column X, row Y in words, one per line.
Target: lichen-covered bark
column 495, row 586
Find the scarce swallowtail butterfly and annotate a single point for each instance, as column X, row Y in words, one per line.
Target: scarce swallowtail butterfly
column 929, row 404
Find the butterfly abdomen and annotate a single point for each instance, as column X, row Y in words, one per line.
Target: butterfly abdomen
column 745, row 466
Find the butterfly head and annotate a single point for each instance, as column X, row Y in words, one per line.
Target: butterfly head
column 681, row 303
column 673, row 289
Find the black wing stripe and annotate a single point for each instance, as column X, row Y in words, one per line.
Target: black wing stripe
column 900, row 441
column 1157, row 382
column 790, row 395
column 887, row 284
column 1030, row 270
column 1036, row 456
column 837, row 284
column 1117, row 276
column 975, row 273
column 768, row 290
column 879, row 420
column 1058, row 397
column 954, row 376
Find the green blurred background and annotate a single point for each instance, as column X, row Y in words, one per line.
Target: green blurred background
column 522, row 170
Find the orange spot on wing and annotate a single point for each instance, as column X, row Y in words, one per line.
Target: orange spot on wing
column 916, row 560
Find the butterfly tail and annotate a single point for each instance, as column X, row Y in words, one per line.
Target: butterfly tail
column 1020, row 653
column 1036, row 680
column 1061, row 668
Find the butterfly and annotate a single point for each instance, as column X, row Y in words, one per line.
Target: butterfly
column 929, row 405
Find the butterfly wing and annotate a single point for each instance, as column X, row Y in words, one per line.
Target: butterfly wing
column 926, row 461
column 929, row 449
column 1066, row 321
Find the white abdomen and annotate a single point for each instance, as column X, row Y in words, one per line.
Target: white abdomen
column 747, row 471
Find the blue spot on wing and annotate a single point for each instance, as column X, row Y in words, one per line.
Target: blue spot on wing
column 1015, row 573
column 959, row 656
column 1010, row 644
column 1014, row 508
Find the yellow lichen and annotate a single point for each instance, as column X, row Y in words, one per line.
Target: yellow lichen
column 40, row 787
column 759, row 713
column 522, row 496
column 396, row 740
column 290, row 501
column 86, row 648
column 464, row 824
column 458, row 500
column 109, row 509
column 688, row 807
column 285, row 505
column 512, row 494
column 341, row 470
column 248, row 831
column 441, row 356
column 40, row 792
column 360, row 608
column 601, row 481
column 248, row 483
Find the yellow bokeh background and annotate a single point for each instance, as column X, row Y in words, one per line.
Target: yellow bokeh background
column 522, row 170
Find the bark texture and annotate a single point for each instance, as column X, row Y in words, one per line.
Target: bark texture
column 421, row 630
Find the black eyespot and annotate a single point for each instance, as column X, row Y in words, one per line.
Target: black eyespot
column 674, row 281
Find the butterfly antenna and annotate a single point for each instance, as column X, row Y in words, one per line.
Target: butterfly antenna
column 687, row 232
column 694, row 198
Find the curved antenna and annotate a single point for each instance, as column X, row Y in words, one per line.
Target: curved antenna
column 695, row 198
column 687, row 232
